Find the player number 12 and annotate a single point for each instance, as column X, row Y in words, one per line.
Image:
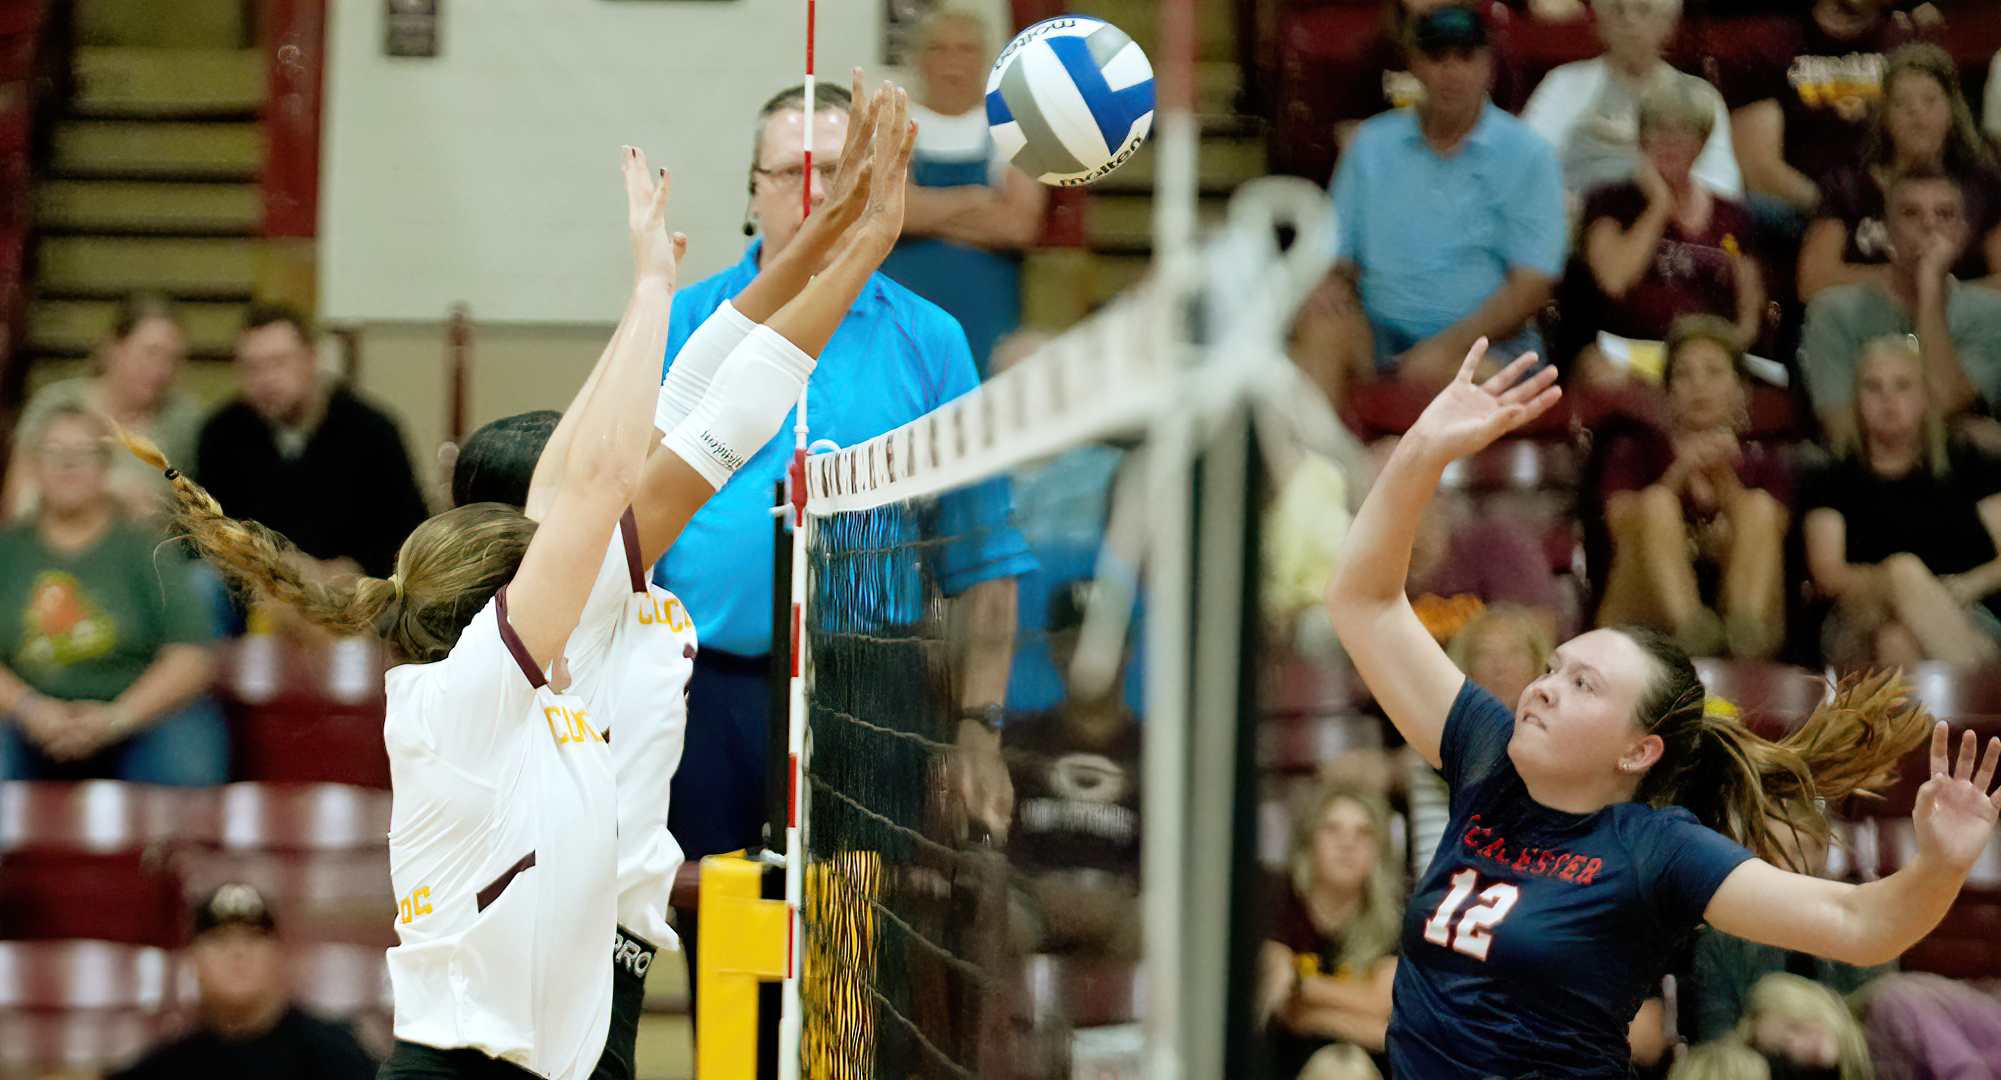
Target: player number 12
column 1475, row 934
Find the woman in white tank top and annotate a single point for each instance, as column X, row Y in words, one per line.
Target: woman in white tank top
column 503, row 838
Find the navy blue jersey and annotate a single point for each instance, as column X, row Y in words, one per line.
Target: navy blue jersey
column 1536, row 934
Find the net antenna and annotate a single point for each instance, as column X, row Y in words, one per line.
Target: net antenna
column 790, row 1021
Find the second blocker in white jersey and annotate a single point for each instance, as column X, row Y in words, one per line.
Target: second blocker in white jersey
column 640, row 691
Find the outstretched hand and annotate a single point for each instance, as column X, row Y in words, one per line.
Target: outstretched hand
column 848, row 194
column 881, row 221
column 655, row 254
column 1466, row 416
column 1956, row 808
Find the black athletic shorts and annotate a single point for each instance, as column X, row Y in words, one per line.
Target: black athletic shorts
column 414, row 1061
column 631, row 955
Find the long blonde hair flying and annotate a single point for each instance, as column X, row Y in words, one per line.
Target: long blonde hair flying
column 446, row 570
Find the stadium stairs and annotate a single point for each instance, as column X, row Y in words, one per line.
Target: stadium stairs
column 153, row 181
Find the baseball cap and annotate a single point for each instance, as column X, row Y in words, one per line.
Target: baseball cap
column 1454, row 26
column 234, row 904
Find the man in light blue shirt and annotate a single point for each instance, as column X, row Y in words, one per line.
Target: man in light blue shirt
column 895, row 358
column 1449, row 218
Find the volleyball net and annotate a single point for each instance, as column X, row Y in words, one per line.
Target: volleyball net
column 1028, row 555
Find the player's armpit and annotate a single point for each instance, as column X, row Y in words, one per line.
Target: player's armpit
column 1762, row 903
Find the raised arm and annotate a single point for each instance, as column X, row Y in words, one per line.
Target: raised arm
column 1874, row 922
column 757, row 383
column 1404, row 667
column 611, row 430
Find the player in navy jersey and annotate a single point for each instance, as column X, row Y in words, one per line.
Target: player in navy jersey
column 1604, row 815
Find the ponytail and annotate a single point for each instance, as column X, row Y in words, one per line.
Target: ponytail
column 447, row 570
column 1755, row 791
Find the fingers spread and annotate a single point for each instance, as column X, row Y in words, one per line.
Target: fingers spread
column 1987, row 765
column 1969, row 749
column 1473, row 357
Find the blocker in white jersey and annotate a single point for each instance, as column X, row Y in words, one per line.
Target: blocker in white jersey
column 643, row 690
column 501, row 834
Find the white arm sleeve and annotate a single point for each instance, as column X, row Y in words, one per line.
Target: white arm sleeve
column 750, row 397
column 695, row 365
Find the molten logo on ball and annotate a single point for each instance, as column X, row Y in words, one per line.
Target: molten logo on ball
column 1070, row 99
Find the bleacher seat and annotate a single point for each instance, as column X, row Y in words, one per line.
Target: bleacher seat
column 1081, row 992
column 78, row 1006
column 1950, row 691
column 1774, row 698
column 304, row 711
column 319, row 852
column 90, row 860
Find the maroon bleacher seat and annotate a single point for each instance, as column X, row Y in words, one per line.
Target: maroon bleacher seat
column 1516, row 464
column 91, row 860
column 302, row 711
column 1774, row 698
column 1081, row 992
column 1949, row 690
column 319, row 852
column 79, row 1006
column 85, row 1043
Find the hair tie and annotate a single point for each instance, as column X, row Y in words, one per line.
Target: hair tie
column 396, row 583
column 173, row 473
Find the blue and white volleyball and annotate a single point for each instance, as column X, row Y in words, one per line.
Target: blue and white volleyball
column 1070, row 99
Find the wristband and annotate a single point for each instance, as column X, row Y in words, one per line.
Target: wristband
column 991, row 717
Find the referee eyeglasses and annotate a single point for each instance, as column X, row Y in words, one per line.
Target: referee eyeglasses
column 790, row 177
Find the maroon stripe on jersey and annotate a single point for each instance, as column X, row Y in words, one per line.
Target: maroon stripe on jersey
column 513, row 642
column 499, row 885
column 628, row 527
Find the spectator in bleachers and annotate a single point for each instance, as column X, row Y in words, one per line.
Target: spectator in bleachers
column 307, row 457
column 1922, row 123
column 1957, row 327
column 1724, row 1059
column 1449, row 220
column 1697, row 516
column 249, row 1028
column 1466, row 558
column 1074, row 843
column 1717, row 991
column 1330, row 949
column 1897, row 530
column 1667, row 242
column 106, row 642
column 1922, row 1026
column 137, row 366
column 1803, row 1030
column 1373, row 75
column 1590, row 110
column 969, row 213
column 1800, row 91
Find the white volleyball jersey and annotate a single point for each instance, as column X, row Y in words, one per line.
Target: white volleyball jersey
column 502, row 850
column 638, row 690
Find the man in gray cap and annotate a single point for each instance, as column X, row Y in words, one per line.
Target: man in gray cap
column 248, row 1027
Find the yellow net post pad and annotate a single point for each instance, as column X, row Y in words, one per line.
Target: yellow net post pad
column 745, row 940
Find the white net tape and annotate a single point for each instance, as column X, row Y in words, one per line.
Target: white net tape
column 1116, row 373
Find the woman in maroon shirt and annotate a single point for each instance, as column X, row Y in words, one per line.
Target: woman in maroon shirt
column 1922, row 121
column 1663, row 244
column 1329, row 955
column 1697, row 517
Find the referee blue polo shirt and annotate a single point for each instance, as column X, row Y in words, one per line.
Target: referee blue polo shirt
column 894, row 358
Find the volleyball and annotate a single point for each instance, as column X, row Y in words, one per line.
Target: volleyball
column 1070, row 99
